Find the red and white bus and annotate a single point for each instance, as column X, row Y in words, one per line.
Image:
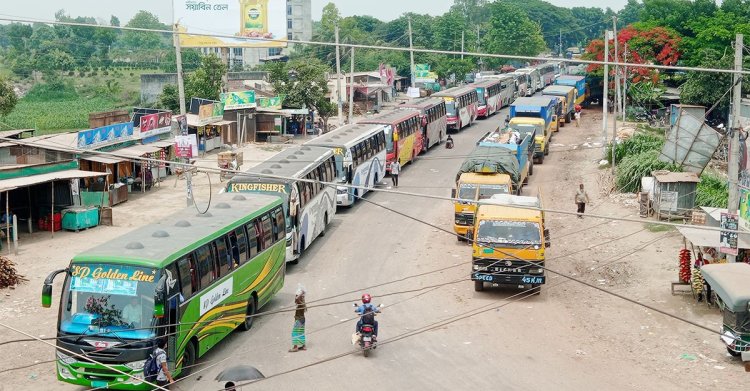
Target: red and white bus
column 434, row 123
column 460, row 105
column 547, row 71
column 488, row 95
column 403, row 135
column 508, row 89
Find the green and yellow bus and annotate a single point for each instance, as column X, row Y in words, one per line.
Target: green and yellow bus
column 191, row 278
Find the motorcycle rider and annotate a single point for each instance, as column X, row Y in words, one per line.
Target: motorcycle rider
column 367, row 310
column 449, row 142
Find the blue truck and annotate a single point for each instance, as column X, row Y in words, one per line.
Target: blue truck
column 579, row 82
column 537, row 115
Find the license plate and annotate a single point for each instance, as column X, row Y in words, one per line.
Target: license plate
column 367, row 339
column 533, row 279
column 98, row 384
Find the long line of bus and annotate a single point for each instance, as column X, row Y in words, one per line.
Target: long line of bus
column 193, row 278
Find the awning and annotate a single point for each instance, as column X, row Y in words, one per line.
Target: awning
column 729, row 280
column 223, row 123
column 103, row 159
column 10, row 184
column 699, row 236
column 138, row 150
column 162, row 143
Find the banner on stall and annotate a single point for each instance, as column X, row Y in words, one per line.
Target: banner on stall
column 210, row 113
column 728, row 234
column 155, row 124
column 238, row 100
column 105, row 135
column 186, row 146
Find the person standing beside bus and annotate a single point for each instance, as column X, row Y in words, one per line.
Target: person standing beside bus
column 164, row 378
column 395, row 170
column 298, row 331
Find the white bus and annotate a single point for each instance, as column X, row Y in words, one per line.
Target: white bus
column 359, row 150
column 535, row 80
column 308, row 207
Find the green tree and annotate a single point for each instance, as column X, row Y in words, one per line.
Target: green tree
column 191, row 59
column 473, row 11
column 631, row 13
column 169, row 98
column 206, row 81
column 592, row 22
column 8, row 98
column 706, row 89
column 303, row 84
column 676, row 14
column 144, row 40
column 114, row 21
column 18, row 35
column 551, row 20
column 512, row 32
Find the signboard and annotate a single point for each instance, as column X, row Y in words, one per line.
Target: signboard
column 273, row 103
column 105, row 135
column 210, row 113
column 155, row 124
column 216, row 295
column 422, row 67
column 182, row 125
column 728, row 239
column 238, row 100
column 186, row 146
column 242, row 20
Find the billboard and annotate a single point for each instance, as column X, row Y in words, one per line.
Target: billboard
column 243, row 20
column 105, row 135
column 209, row 113
column 238, row 100
column 155, row 124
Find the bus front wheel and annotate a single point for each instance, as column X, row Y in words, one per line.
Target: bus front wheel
column 249, row 314
column 188, row 360
column 478, row 286
column 325, row 224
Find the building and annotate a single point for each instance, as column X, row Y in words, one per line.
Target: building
column 299, row 26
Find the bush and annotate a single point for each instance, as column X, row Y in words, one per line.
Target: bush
column 633, row 167
column 640, row 142
column 56, row 89
column 712, row 191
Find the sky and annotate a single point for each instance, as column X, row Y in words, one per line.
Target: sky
column 381, row 9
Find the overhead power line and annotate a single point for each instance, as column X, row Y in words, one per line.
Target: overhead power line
column 8, row 18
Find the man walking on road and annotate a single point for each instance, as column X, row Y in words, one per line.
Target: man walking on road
column 395, row 170
column 582, row 198
column 577, row 116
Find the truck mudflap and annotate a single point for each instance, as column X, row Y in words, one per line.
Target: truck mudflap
column 509, row 279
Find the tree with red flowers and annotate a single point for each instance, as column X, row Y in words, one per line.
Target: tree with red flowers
column 647, row 44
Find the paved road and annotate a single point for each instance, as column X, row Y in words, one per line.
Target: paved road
column 532, row 344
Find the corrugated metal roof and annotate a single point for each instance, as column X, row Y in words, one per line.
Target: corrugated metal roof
column 10, row 184
column 293, row 162
column 673, row 177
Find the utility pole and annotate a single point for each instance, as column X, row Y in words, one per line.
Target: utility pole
column 734, row 144
column 624, row 83
column 181, row 93
column 338, row 76
column 411, row 54
column 617, row 94
column 351, row 89
column 605, row 98
column 561, row 48
column 462, row 44
column 478, row 48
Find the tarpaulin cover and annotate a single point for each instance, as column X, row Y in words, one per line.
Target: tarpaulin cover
column 491, row 160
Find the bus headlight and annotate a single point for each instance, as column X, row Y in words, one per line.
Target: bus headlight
column 65, row 358
column 64, row 372
column 476, row 268
column 136, row 365
column 537, row 271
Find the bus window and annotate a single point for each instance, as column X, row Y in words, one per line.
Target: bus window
column 239, row 233
column 266, row 227
column 206, row 267
column 252, row 239
column 188, row 276
column 278, row 226
column 224, row 257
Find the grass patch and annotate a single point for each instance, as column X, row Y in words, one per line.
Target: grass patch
column 634, row 167
column 712, row 191
column 54, row 116
column 656, row 228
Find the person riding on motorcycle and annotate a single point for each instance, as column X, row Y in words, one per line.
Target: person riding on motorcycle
column 367, row 310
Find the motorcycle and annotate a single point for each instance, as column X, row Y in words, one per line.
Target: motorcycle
column 365, row 335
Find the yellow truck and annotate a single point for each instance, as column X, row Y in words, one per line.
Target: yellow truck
column 510, row 241
column 568, row 96
column 472, row 186
column 535, row 116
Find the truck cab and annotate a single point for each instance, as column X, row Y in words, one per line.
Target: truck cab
column 509, row 243
column 472, row 186
column 539, row 114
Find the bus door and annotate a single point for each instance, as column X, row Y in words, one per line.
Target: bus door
column 172, row 313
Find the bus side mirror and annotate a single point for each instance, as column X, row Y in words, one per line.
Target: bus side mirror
column 547, row 242
column 47, row 287
column 453, row 193
column 160, row 297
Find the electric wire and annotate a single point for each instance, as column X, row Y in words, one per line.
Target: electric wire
column 11, row 18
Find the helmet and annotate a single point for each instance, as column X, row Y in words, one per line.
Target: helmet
column 366, row 298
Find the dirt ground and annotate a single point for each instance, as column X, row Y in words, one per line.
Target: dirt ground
column 587, row 338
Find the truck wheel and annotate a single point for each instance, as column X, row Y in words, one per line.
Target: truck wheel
column 478, row 286
column 531, row 167
column 541, row 158
column 732, row 352
column 536, row 290
column 546, row 150
column 567, row 118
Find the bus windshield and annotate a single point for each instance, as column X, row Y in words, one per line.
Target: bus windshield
column 450, row 108
column 388, row 138
column 509, row 232
column 480, row 94
column 467, row 191
column 487, row 191
column 116, row 300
